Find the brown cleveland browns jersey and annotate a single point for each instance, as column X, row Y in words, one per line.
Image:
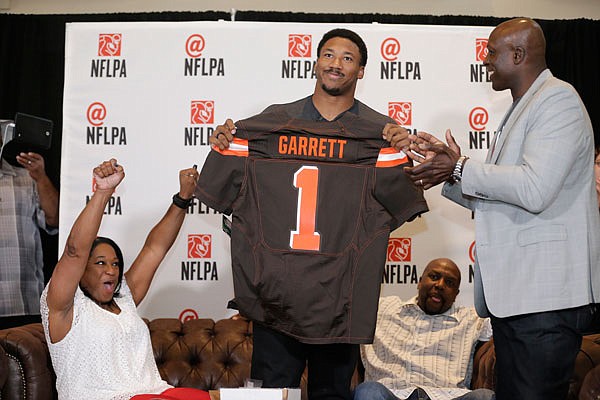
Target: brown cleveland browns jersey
column 313, row 204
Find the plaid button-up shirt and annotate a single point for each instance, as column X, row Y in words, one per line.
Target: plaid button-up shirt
column 413, row 349
column 21, row 258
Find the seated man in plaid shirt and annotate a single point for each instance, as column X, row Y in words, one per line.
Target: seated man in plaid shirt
column 423, row 348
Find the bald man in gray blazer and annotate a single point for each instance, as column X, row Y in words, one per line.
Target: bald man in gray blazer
column 537, row 226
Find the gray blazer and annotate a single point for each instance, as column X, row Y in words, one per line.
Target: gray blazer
column 537, row 225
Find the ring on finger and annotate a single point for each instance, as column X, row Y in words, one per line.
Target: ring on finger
column 421, row 182
column 29, row 162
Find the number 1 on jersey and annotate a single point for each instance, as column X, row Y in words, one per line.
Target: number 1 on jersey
column 306, row 180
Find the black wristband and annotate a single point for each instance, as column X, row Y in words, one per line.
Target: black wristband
column 180, row 202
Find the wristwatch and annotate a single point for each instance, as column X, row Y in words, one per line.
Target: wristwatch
column 458, row 169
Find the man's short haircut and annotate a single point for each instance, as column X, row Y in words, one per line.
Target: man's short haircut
column 346, row 34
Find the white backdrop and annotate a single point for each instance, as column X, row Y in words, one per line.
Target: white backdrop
column 150, row 94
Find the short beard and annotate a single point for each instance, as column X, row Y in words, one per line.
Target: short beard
column 331, row 91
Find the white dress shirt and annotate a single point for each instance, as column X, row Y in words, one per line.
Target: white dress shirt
column 413, row 349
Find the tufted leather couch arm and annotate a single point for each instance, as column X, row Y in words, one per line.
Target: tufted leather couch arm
column 210, row 355
column 26, row 363
column 202, row 353
column 587, row 368
column 484, row 362
column 3, row 368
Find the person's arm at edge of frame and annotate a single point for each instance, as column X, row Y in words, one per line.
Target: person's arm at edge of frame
column 160, row 239
column 47, row 193
column 71, row 265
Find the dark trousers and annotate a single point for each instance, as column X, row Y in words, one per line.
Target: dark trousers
column 535, row 353
column 279, row 360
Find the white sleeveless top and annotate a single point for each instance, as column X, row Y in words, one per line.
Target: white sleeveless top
column 104, row 356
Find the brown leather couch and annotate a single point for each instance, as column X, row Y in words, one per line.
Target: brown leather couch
column 209, row 355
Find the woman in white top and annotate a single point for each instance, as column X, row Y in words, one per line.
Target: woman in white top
column 99, row 345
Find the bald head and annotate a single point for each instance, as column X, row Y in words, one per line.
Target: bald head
column 527, row 34
column 445, row 263
column 516, row 55
column 439, row 286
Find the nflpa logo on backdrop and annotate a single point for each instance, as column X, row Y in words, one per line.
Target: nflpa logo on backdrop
column 202, row 112
column 194, row 45
column 478, row 118
column 199, row 246
column 96, row 113
column 481, row 50
column 399, row 249
column 299, row 45
column 390, row 49
column 401, row 112
column 109, row 44
column 472, row 252
column 188, row 314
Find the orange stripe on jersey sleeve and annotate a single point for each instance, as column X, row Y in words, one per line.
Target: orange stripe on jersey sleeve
column 237, row 148
column 390, row 157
